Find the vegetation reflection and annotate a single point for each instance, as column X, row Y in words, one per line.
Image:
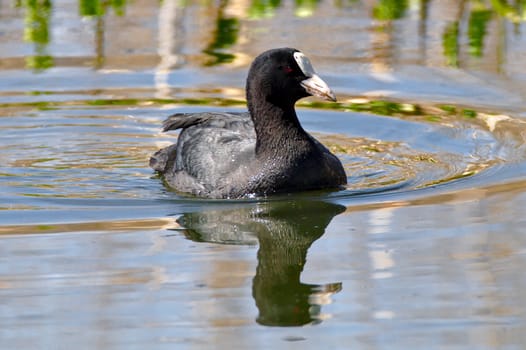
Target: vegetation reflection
column 37, row 23
column 477, row 29
column 390, row 9
column 263, row 8
column 226, row 34
column 99, row 7
column 477, row 15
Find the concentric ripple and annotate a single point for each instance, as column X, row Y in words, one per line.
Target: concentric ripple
column 94, row 158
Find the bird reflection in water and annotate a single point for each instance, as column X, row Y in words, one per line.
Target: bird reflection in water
column 285, row 230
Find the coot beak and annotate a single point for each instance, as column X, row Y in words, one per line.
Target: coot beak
column 317, row 87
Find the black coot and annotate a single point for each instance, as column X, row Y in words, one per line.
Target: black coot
column 264, row 151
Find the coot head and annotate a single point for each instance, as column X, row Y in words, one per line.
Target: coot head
column 282, row 77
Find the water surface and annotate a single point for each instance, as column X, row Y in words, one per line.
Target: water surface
column 424, row 249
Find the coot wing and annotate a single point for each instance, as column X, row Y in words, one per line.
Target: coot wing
column 211, row 153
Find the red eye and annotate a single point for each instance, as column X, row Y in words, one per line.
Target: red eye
column 288, row 69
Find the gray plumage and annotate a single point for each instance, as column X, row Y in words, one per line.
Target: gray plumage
column 264, row 151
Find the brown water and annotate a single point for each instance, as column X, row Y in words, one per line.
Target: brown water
column 424, row 249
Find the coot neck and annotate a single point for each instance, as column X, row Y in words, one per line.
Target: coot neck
column 277, row 127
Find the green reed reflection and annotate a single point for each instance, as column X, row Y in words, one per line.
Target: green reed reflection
column 226, row 34
column 477, row 30
column 390, row 9
column 514, row 13
column 450, row 44
column 37, row 23
column 99, row 7
column 472, row 23
column 305, row 8
column 481, row 13
column 263, row 8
